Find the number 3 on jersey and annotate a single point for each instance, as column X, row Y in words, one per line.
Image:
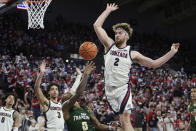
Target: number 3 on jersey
column 2, row 119
column 84, row 126
column 59, row 114
column 116, row 61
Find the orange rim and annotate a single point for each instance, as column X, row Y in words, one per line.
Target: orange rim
column 34, row 1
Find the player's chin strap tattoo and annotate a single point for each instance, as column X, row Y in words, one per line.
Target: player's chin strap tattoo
column 69, row 103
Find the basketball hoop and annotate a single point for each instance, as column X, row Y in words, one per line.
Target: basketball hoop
column 36, row 10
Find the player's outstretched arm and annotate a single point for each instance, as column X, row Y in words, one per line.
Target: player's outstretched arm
column 42, row 99
column 148, row 62
column 101, row 33
column 82, row 86
column 16, row 121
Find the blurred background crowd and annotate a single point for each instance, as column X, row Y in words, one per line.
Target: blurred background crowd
column 160, row 96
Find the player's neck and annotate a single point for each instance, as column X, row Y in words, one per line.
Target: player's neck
column 9, row 107
column 122, row 45
column 54, row 100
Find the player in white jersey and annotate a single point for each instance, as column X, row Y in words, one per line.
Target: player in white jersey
column 52, row 109
column 9, row 118
column 118, row 60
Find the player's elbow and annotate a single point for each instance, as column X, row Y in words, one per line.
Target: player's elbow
column 96, row 26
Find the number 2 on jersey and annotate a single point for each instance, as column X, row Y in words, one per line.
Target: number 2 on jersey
column 116, row 61
column 84, row 126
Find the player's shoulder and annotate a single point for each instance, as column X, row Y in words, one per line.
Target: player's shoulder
column 15, row 112
column 134, row 54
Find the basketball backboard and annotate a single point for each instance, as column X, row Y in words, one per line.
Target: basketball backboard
column 21, row 6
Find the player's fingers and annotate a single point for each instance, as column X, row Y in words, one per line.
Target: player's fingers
column 89, row 63
column 92, row 63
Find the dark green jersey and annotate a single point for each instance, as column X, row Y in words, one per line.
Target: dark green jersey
column 80, row 120
column 192, row 108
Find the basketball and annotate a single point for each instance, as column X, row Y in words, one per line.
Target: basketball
column 88, row 50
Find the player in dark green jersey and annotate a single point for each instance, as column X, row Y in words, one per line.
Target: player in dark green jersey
column 81, row 118
column 192, row 110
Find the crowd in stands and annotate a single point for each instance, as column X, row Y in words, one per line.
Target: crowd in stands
column 160, row 96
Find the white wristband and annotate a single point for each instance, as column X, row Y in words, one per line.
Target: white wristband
column 76, row 83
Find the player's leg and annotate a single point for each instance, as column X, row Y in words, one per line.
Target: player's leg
column 125, row 108
column 126, row 122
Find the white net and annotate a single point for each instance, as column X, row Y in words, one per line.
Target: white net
column 36, row 10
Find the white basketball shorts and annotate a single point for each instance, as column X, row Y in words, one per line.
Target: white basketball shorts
column 119, row 98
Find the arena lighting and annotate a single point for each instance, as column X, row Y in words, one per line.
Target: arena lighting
column 67, row 61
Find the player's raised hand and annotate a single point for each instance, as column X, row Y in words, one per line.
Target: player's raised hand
column 43, row 67
column 90, row 66
column 175, row 47
column 112, row 7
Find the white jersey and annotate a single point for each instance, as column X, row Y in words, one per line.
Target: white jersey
column 6, row 119
column 54, row 117
column 117, row 66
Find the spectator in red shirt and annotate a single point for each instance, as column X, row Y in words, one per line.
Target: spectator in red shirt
column 35, row 107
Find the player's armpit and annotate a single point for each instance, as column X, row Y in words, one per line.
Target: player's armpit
column 16, row 120
column 66, row 114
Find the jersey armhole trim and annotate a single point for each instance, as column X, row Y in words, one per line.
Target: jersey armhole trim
column 48, row 107
column 109, row 49
column 130, row 54
column 13, row 114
